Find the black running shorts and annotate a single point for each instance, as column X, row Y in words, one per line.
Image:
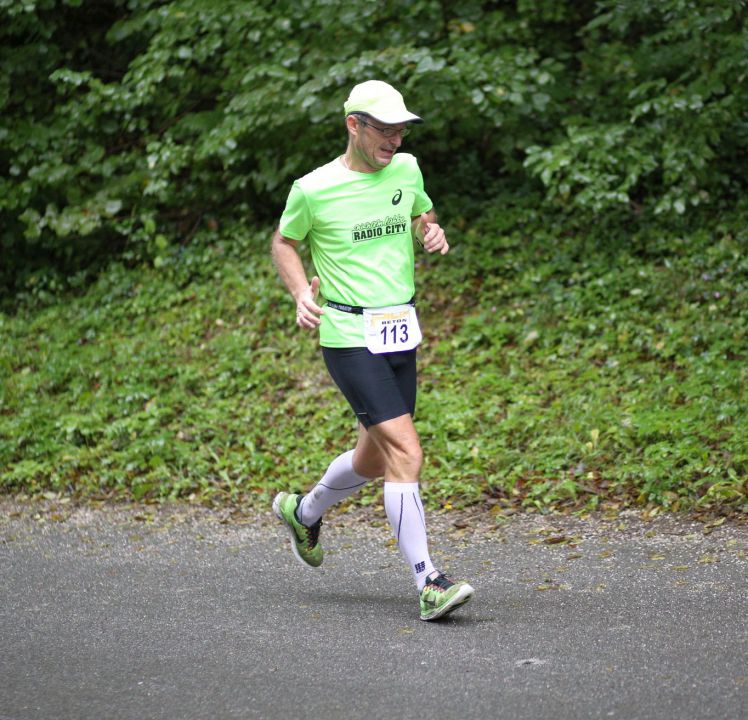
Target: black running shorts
column 377, row 387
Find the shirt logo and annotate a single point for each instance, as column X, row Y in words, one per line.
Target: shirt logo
column 397, row 197
column 391, row 225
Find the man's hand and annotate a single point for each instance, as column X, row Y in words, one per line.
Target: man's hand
column 431, row 235
column 307, row 310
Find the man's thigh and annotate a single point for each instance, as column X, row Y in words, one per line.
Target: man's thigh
column 378, row 387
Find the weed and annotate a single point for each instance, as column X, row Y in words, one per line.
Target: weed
column 554, row 372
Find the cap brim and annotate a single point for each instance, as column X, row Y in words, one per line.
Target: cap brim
column 389, row 117
column 396, row 118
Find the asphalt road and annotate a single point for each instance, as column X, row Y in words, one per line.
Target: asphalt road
column 135, row 614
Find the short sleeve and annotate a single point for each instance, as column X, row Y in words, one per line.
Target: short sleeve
column 422, row 202
column 296, row 221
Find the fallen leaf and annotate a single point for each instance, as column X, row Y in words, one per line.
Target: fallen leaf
column 709, row 527
column 551, row 585
column 548, row 530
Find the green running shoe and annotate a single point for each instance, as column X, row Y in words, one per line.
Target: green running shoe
column 304, row 540
column 441, row 596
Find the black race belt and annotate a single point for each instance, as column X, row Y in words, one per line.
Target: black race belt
column 356, row 309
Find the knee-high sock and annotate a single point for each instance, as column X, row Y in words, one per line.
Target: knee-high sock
column 402, row 503
column 340, row 481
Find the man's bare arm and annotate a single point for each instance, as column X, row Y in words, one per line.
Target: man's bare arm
column 291, row 270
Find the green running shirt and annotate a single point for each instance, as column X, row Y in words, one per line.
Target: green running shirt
column 358, row 225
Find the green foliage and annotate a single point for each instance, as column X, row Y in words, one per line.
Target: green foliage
column 155, row 384
column 128, row 126
column 590, row 372
column 658, row 98
column 554, row 372
column 587, row 337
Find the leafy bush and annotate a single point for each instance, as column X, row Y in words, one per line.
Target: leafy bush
column 129, row 126
column 656, row 127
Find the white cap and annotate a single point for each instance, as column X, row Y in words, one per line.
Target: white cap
column 381, row 101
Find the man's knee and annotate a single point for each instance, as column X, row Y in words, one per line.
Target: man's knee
column 405, row 453
column 415, row 454
column 400, row 446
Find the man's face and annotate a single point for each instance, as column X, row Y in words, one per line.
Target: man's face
column 375, row 143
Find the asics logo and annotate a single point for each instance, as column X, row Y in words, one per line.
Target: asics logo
column 397, row 197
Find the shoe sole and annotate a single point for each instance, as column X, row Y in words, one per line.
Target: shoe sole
column 461, row 597
column 289, row 530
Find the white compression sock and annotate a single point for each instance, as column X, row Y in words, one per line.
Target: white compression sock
column 340, row 481
column 402, row 503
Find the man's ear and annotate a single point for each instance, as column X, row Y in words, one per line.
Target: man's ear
column 352, row 124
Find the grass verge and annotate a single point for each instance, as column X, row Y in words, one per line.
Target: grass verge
column 556, row 373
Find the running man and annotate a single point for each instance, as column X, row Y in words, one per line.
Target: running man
column 359, row 213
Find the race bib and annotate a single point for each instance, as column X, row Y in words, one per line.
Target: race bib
column 391, row 329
